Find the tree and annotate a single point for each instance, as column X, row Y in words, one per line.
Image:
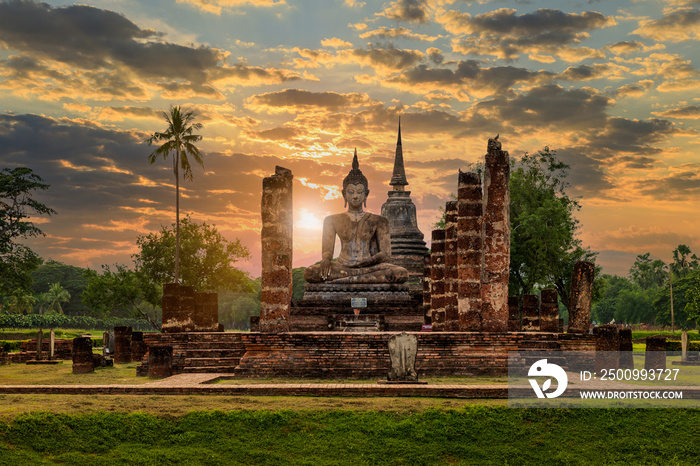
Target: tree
column 207, row 262
column 692, row 296
column 684, row 261
column 122, row 293
column 70, row 277
column 544, row 247
column 178, row 138
column 57, row 295
column 647, row 272
column 19, row 303
column 16, row 203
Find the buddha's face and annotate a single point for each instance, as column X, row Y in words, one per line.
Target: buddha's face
column 355, row 195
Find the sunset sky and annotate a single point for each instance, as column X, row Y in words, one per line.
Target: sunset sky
column 612, row 86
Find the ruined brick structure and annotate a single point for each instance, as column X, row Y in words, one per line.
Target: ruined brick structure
column 276, row 236
column 437, row 280
column 187, row 310
column 469, row 250
column 581, row 297
column 122, row 344
column 351, row 355
column 473, row 287
column 82, row 355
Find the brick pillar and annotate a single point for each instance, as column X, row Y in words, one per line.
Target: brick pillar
column 581, row 297
column 40, row 345
column 437, row 279
column 170, row 304
column 451, row 270
column 513, row 314
column 160, row 361
column 138, row 346
column 549, row 311
column 276, row 236
column 52, row 345
column 531, row 313
column 187, row 308
column 178, row 308
column 122, row 344
column 626, row 357
column 426, row 288
column 607, row 348
column 655, row 355
column 206, row 315
column 82, row 355
column 469, row 251
column 496, row 237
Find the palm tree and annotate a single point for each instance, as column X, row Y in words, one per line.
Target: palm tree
column 683, row 261
column 57, row 295
column 179, row 138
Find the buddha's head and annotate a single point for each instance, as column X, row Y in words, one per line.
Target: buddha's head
column 355, row 185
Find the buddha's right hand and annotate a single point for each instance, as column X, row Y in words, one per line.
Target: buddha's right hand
column 325, row 269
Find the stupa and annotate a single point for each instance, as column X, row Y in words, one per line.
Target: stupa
column 407, row 246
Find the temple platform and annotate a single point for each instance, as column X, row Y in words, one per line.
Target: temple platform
column 350, row 354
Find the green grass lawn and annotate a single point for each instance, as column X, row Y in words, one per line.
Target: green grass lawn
column 62, row 374
column 692, row 334
column 468, row 435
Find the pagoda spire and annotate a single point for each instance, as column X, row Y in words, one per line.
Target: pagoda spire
column 398, row 177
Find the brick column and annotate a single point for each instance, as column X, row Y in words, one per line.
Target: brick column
column 469, row 251
column 607, row 348
column 513, row 314
column 655, row 355
column 531, row 313
column 496, row 236
column 40, row 345
column 138, row 346
column 178, row 308
column 549, row 311
column 437, row 279
column 82, row 355
column 276, row 236
column 206, row 315
column 122, row 344
column 581, row 297
column 451, row 270
column 626, row 357
column 426, row 288
column 160, row 361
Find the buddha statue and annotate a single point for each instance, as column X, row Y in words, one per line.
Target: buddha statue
column 365, row 242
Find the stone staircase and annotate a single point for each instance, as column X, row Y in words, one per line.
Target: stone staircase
column 204, row 354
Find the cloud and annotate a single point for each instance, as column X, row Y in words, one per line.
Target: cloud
column 549, row 106
column 587, row 177
column 216, row 6
column 386, row 59
column 678, row 26
column 680, row 185
column 623, row 135
column 336, row 43
column 394, row 33
column 244, row 75
column 506, row 35
column 100, row 54
column 690, row 112
column 467, row 77
column 633, row 90
column 296, row 100
column 407, row 10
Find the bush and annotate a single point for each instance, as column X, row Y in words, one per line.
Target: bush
column 64, row 321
